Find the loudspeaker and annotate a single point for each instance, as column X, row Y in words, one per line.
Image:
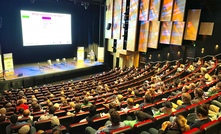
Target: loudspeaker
column 108, row 26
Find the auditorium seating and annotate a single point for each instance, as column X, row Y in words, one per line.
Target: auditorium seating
column 74, row 126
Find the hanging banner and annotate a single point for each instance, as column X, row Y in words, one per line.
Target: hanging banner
column 8, row 64
column 100, row 56
column 80, row 54
column 1, row 68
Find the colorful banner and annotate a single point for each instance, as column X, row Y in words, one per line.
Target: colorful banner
column 8, row 64
column 1, row 68
column 100, row 56
column 80, row 54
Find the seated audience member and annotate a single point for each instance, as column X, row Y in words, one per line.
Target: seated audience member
column 26, row 113
column 214, row 90
column 21, row 105
column 77, row 109
column 214, row 109
column 147, row 100
column 136, row 94
column 130, row 105
column 3, row 112
column 56, row 130
column 20, row 112
column 2, row 118
column 201, row 83
column 186, row 99
column 166, row 109
column 14, row 122
column 50, row 115
column 202, row 116
column 92, row 114
column 37, row 108
column 86, row 102
column 140, row 116
column 57, row 106
column 177, row 126
column 24, row 129
column 198, row 93
column 115, row 124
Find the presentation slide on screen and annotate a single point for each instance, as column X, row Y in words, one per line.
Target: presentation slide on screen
column 44, row 28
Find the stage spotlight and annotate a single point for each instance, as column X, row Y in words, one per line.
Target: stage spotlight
column 86, row 5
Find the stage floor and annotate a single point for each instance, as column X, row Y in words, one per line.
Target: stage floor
column 38, row 69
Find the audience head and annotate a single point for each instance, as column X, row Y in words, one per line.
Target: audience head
column 20, row 111
column 52, row 110
column 181, row 122
column 26, row 113
column 218, row 86
column 136, row 93
column 72, row 104
column 2, row 111
column 14, row 119
column 92, row 110
column 56, row 130
column 120, row 98
column 57, row 106
column 147, row 98
column 202, row 111
column 114, row 117
column 36, row 108
column 186, row 97
column 20, row 102
column 167, row 105
column 130, row 102
column 112, row 106
column 185, row 89
column 77, row 108
column 2, row 118
column 86, row 101
column 198, row 92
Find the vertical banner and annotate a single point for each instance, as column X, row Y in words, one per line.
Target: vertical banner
column 8, row 64
column 1, row 68
column 80, row 54
column 192, row 24
column 100, row 56
column 143, row 39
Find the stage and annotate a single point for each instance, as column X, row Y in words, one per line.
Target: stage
column 27, row 75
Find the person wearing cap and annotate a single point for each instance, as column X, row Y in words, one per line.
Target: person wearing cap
column 166, row 109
